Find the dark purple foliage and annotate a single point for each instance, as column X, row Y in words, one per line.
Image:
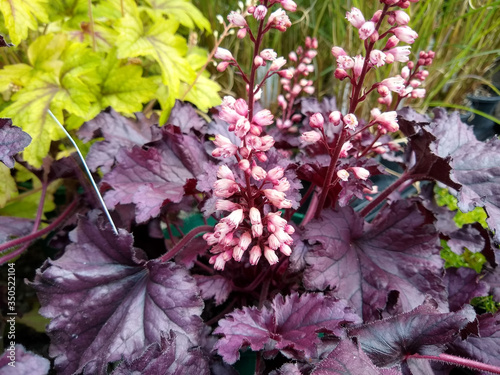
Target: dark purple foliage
column 119, row 132
column 290, row 324
column 485, row 346
column 424, row 330
column 25, row 362
column 346, row 359
column 107, row 301
column 12, row 141
column 12, row 227
column 216, row 286
column 396, row 256
column 463, row 285
column 185, row 117
column 3, row 43
column 167, row 358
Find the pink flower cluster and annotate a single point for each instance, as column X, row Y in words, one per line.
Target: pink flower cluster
column 297, row 82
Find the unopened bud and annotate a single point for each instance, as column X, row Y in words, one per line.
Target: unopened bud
column 316, row 121
column 334, row 118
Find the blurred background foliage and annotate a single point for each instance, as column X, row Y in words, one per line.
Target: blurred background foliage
column 463, row 33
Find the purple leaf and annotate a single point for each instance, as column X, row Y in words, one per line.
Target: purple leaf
column 288, row 369
column 484, row 347
column 424, row 330
column 19, row 361
column 185, row 117
column 107, row 302
column 398, row 253
column 14, row 227
column 215, row 286
column 463, row 285
column 165, row 358
column 12, row 141
column 346, row 359
column 290, row 324
column 119, row 132
column 154, row 177
column 492, row 278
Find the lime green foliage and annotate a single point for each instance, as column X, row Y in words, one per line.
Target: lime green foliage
column 486, row 303
column 130, row 53
column 444, row 198
column 467, row 259
column 8, row 187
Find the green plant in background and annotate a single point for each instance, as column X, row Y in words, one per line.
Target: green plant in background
column 463, row 32
column 77, row 57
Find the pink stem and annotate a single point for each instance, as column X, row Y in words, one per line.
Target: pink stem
column 182, row 243
column 33, row 236
column 451, row 359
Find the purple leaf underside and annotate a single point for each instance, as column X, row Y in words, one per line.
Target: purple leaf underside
column 12, row 141
column 22, row 362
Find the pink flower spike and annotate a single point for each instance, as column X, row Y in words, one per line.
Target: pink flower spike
column 277, row 64
column 224, row 147
column 241, row 107
column 317, row 121
column 268, row 54
column 334, row 118
column 377, row 57
column 405, row 34
column 263, row 118
column 270, row 255
column 225, row 172
column 366, row 30
column 338, row 51
column 343, row 175
column 310, row 137
column 237, row 19
column 289, row 5
column 360, row 173
column 255, row 254
column 223, row 54
column 260, row 12
column 355, row 17
column 350, row 121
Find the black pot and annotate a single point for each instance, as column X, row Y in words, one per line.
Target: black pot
column 483, row 128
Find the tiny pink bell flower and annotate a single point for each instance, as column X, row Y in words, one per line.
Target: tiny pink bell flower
column 355, row 17
column 366, row 30
column 405, row 34
column 260, row 12
column 289, row 5
column 310, row 137
column 223, row 54
column 360, row 173
column 237, row 19
column 317, row 121
column 350, row 121
column 334, row 118
column 343, row 175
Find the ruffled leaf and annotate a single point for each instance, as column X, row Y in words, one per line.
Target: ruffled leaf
column 12, row 141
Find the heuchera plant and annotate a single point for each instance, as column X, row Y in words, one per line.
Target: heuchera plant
column 303, row 248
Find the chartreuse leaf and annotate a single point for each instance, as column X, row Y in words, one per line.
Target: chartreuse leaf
column 25, row 204
column 159, row 43
column 477, row 215
column 21, row 15
column 181, row 10
column 70, row 83
column 123, row 86
column 8, row 187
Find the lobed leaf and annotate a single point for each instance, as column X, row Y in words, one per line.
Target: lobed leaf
column 12, row 141
column 25, row 362
column 290, row 324
column 393, row 264
column 22, row 15
column 425, row 330
column 108, row 302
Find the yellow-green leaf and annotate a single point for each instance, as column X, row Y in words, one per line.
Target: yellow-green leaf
column 204, row 94
column 46, row 49
column 21, row 15
column 8, row 187
column 181, row 10
column 14, row 77
column 159, row 43
column 123, row 86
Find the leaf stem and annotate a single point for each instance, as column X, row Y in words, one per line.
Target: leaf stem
column 183, row 243
column 91, row 22
column 465, row 362
column 35, row 235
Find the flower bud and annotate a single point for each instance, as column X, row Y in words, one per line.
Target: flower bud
column 345, row 62
column 270, row 255
column 358, row 65
column 222, row 66
column 405, row 34
column 241, row 107
column 259, row 61
column 391, row 42
column 292, row 56
column 268, row 54
column 310, row 137
column 366, row 30
column 241, row 33
column 338, row 51
column 343, row 175
column 355, row 17
column 277, row 64
column 345, row 149
column 316, row 121
column 289, row 5
column 263, row 118
column 255, row 254
column 376, row 16
column 275, row 174
column 360, row 173
column 341, row 74
column 237, row 19
column 286, row 73
column 223, row 54
column 244, row 165
column 334, row 118
column 309, row 90
column 405, row 72
column 260, row 12
column 377, row 58
column 402, row 18
column 258, row 173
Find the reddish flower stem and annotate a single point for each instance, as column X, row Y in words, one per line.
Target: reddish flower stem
column 451, row 359
column 35, row 235
column 355, row 100
column 182, row 243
